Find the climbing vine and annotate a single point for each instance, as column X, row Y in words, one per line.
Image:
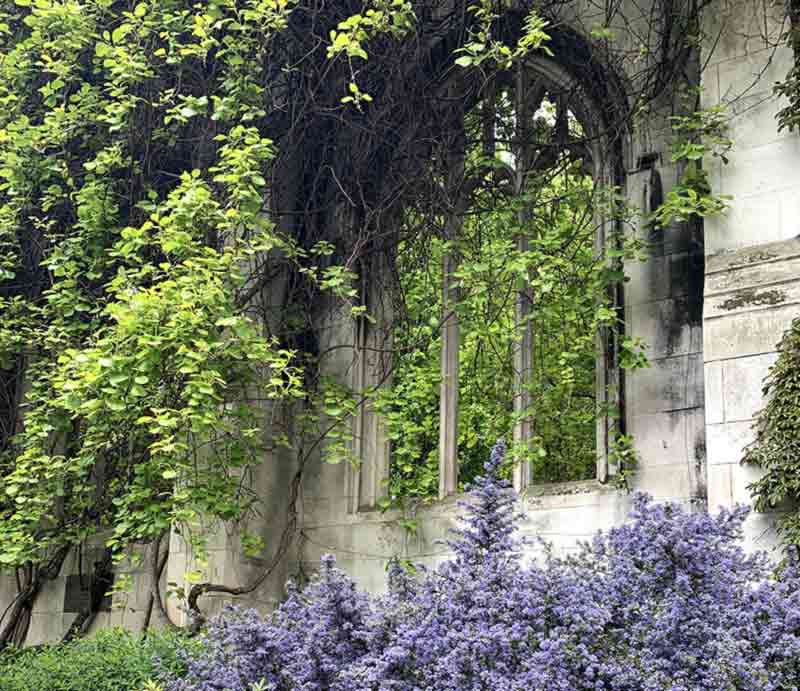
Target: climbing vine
column 700, row 136
column 789, row 88
column 776, row 449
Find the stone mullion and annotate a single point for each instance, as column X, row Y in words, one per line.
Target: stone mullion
column 358, row 377
column 451, row 329
column 448, row 400
column 523, row 323
column 374, row 365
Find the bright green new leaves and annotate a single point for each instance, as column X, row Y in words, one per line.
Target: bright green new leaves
column 132, row 191
column 702, row 134
column 391, row 18
column 395, row 19
column 483, row 47
column 148, row 424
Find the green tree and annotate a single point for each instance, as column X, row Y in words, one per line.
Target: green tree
column 137, row 241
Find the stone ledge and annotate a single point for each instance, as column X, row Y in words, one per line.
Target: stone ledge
column 770, row 253
column 556, row 489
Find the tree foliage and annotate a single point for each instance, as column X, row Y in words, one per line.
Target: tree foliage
column 128, row 231
column 138, row 237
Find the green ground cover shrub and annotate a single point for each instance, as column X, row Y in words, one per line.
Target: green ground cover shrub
column 112, row 660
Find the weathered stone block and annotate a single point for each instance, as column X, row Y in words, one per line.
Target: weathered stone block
column 753, row 74
column 669, row 384
column 736, row 28
column 748, row 223
column 720, row 486
column 715, row 412
column 725, row 443
column 661, row 438
column 658, row 278
column 760, row 269
column 764, row 297
column 725, row 262
column 45, row 628
column 755, row 172
column 749, row 333
column 51, row 599
column 668, row 482
column 743, row 380
column 743, row 475
column 669, row 327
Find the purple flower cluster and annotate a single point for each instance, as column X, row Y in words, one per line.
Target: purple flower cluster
column 667, row 602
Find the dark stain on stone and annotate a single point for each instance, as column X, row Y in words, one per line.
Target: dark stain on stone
column 700, row 450
column 674, row 321
column 697, row 272
column 687, row 310
column 701, row 484
column 751, row 297
column 752, row 258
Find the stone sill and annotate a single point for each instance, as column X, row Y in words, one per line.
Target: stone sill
column 551, row 495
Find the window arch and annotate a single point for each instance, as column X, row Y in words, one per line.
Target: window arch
column 578, row 130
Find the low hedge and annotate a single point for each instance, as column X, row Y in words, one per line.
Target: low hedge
column 112, row 660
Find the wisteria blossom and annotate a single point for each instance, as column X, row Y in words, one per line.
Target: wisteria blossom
column 667, row 602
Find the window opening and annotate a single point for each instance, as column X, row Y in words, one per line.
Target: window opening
column 499, row 301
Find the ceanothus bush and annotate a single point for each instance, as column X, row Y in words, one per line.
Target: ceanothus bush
column 667, row 602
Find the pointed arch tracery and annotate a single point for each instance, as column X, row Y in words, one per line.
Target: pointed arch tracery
column 582, row 93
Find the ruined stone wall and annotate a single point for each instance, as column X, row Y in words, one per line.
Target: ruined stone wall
column 711, row 305
column 752, row 283
column 663, row 407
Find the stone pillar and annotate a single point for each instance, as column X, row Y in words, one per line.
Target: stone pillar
column 457, row 196
column 357, row 384
column 371, row 371
column 523, row 375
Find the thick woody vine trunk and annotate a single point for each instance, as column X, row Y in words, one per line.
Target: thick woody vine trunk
column 32, row 579
column 101, row 579
column 284, row 544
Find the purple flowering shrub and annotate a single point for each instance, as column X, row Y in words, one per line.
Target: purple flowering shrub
column 667, row 602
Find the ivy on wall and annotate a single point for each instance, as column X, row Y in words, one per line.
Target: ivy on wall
column 776, row 449
column 789, row 88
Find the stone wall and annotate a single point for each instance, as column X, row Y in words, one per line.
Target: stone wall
column 711, row 305
column 752, row 295
column 752, row 284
